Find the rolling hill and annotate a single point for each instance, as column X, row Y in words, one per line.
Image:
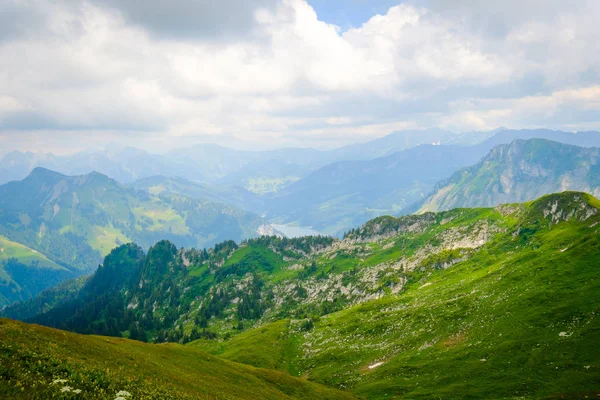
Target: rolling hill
column 468, row 303
column 43, row 363
column 521, row 171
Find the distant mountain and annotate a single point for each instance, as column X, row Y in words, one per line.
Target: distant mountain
column 521, row 171
column 235, row 196
column 121, row 164
column 75, row 220
column 402, row 140
column 345, row 194
column 583, row 139
column 259, row 171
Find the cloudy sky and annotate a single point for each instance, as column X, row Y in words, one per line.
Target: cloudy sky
column 264, row 73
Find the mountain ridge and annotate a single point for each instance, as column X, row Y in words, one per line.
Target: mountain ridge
column 517, row 172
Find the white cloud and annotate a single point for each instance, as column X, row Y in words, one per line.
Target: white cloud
column 286, row 77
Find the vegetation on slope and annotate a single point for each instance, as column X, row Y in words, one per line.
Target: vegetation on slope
column 517, row 319
column 24, row 272
column 43, row 363
column 469, row 303
column 75, row 221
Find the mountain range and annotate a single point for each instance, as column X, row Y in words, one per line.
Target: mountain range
column 443, row 304
column 54, row 227
column 345, row 194
column 218, row 165
column 307, row 190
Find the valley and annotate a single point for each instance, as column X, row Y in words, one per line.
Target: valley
column 428, row 305
column 324, row 288
column 299, row 199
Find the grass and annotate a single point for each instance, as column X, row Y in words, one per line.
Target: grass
column 518, row 318
column 518, row 324
column 33, row 357
column 27, row 256
column 104, row 239
column 267, row 346
column 157, row 217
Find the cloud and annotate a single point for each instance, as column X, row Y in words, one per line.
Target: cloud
column 191, row 19
column 272, row 72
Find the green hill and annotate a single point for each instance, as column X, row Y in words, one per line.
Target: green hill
column 521, row 171
column 73, row 221
column 516, row 319
column 43, row 363
column 470, row 303
column 24, row 272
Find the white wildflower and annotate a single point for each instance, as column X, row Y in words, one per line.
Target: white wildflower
column 54, row 382
column 77, row 391
column 123, row 393
column 66, row 389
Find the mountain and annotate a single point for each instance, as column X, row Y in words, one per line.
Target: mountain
column 342, row 195
column 43, row 363
column 582, row 139
column 346, row 194
column 300, row 189
column 24, row 272
column 231, row 195
column 517, row 172
column 75, row 220
column 258, row 171
column 467, row 303
column 122, row 164
column 261, row 172
column 406, row 139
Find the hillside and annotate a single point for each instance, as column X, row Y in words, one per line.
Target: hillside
column 43, row 363
column 517, row 172
column 76, row 220
column 516, row 318
column 24, row 272
column 235, row 196
column 418, row 306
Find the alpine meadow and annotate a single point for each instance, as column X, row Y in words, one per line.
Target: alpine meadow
column 299, row 199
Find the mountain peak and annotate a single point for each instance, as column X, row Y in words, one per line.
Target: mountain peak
column 41, row 172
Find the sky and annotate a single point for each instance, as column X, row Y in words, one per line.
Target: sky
column 271, row 73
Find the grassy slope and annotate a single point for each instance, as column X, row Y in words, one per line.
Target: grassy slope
column 508, row 310
column 517, row 320
column 27, row 256
column 265, row 347
column 32, row 357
